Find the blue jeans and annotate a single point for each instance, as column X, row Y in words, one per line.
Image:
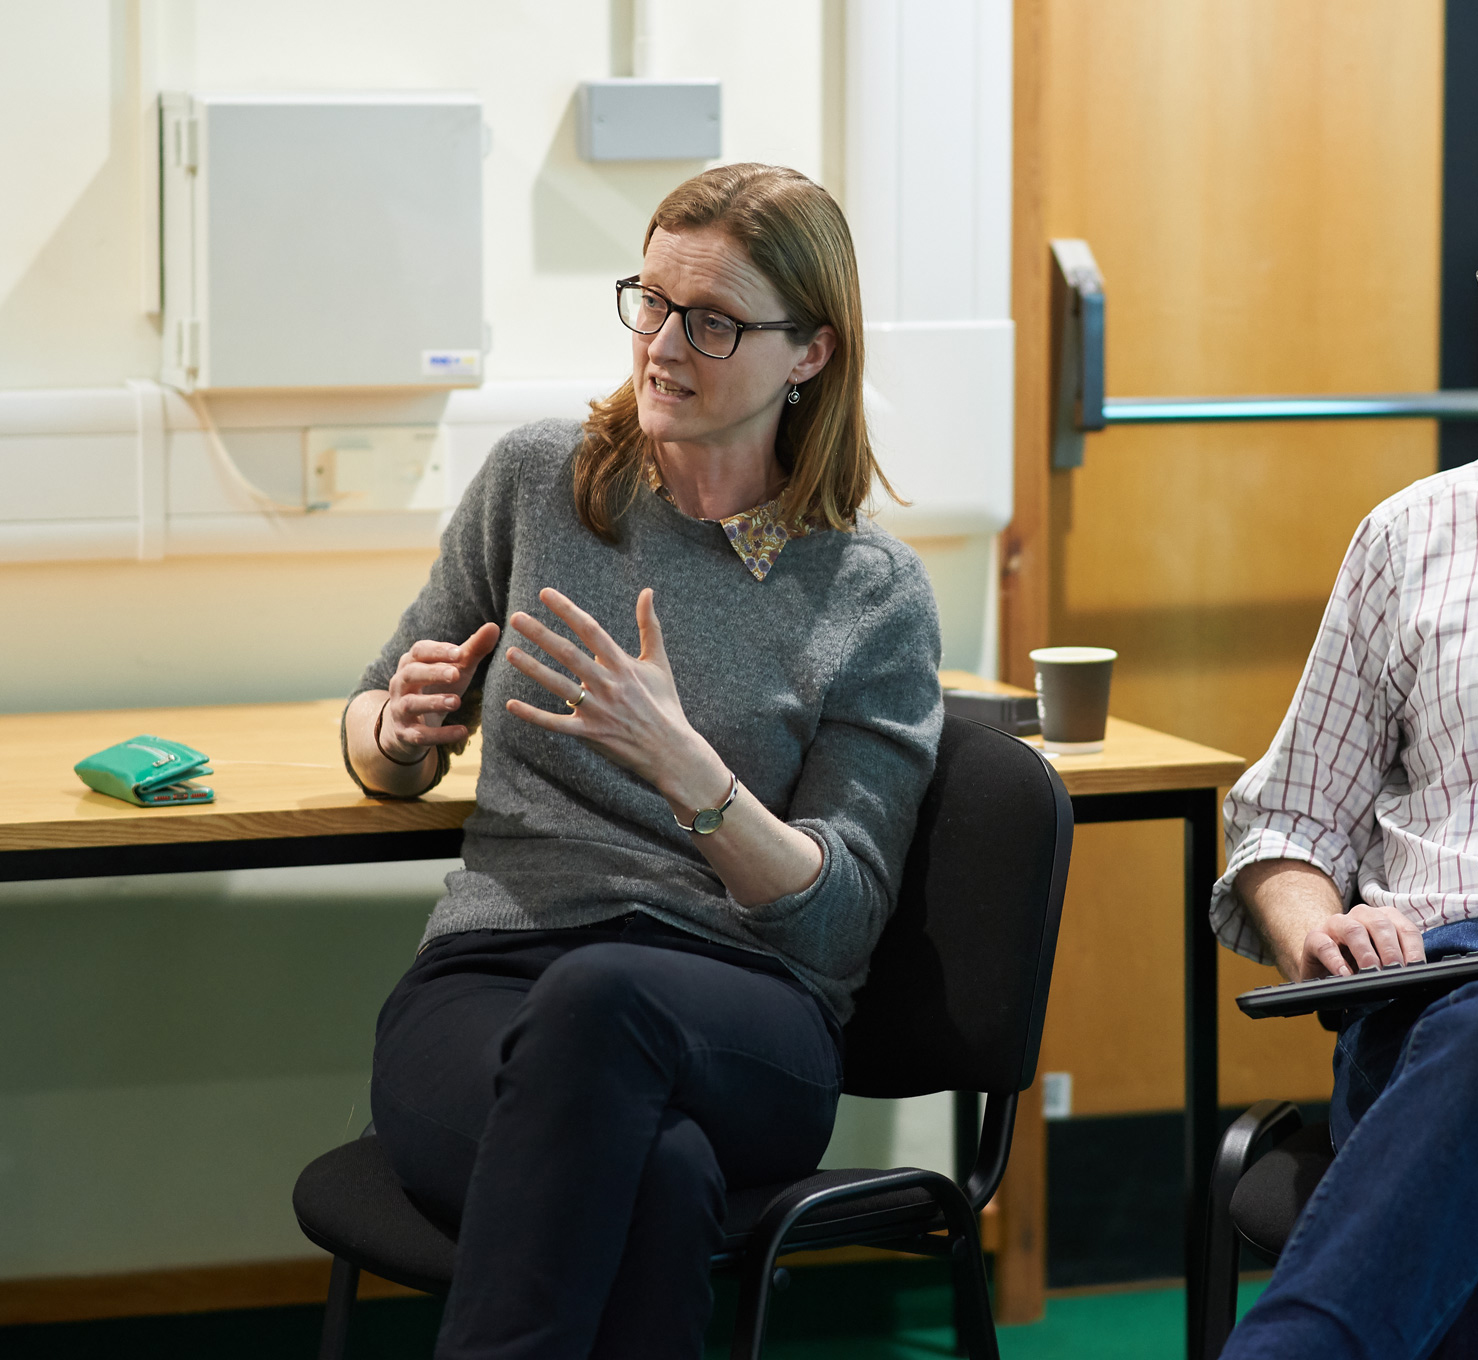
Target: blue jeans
column 1383, row 1262
column 574, row 1103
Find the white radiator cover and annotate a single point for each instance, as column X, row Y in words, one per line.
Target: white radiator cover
column 939, row 402
column 929, row 202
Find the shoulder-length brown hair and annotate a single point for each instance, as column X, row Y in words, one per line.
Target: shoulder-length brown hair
column 798, row 239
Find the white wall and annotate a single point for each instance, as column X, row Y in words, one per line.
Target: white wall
column 74, row 255
column 77, row 78
column 169, row 1084
column 75, row 261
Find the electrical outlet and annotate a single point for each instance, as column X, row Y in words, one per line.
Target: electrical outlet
column 1057, row 1095
column 375, row 468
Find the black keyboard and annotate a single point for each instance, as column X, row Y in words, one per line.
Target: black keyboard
column 1360, row 989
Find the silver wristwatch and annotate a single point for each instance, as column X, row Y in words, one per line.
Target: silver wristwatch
column 708, row 820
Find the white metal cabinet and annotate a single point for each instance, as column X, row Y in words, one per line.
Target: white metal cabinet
column 327, row 240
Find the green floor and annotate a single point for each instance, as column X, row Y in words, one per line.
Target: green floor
column 1143, row 1325
column 817, row 1319
column 1122, row 1325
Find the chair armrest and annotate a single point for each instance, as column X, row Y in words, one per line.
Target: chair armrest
column 1267, row 1123
column 789, row 1207
column 1243, row 1143
column 993, row 1149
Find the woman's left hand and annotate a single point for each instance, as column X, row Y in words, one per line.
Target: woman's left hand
column 631, row 712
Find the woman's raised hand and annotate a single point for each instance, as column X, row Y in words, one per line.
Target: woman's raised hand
column 630, row 711
column 428, row 684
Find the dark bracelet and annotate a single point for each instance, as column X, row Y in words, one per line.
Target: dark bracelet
column 408, row 764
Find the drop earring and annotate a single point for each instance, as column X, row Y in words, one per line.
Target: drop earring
column 795, row 394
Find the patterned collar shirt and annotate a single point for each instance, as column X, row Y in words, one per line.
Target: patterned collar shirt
column 1373, row 776
column 757, row 534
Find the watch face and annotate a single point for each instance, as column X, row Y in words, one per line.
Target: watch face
column 708, row 821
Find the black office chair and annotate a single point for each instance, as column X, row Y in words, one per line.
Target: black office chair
column 953, row 1002
column 1267, row 1166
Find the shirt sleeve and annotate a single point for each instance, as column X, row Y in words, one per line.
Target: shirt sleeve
column 467, row 587
column 1312, row 796
column 861, row 783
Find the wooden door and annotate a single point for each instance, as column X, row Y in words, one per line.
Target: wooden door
column 1260, row 182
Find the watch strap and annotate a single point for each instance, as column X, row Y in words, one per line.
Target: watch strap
column 708, row 820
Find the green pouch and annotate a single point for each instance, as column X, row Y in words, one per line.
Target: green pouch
column 148, row 771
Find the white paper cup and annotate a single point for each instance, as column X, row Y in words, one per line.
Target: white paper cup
column 1072, row 696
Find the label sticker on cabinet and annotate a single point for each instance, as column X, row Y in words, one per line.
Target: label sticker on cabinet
column 451, row 363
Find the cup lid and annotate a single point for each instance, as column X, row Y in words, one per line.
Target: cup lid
column 1072, row 654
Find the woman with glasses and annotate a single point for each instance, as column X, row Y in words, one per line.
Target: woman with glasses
column 706, row 684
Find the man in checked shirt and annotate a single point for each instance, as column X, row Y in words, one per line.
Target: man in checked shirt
column 1354, row 840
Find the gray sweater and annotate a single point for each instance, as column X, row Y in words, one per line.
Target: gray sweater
column 817, row 686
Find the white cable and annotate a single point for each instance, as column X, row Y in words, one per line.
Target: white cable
column 227, row 465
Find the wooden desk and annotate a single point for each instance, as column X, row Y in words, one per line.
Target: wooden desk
column 1134, row 759
column 1140, row 775
column 282, row 798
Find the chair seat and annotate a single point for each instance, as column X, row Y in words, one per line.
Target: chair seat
column 350, row 1203
column 1271, row 1195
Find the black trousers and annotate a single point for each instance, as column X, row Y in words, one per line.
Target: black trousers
column 573, row 1103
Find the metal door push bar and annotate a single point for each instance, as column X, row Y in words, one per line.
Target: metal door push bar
column 1080, row 407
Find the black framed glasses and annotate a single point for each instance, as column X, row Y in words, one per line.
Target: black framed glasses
column 715, row 334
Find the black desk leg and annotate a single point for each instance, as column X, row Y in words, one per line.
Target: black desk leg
column 1202, row 826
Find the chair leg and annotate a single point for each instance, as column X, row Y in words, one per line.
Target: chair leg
column 343, row 1286
column 755, row 1280
column 975, row 1328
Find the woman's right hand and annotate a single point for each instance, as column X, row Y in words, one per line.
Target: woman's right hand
column 427, row 686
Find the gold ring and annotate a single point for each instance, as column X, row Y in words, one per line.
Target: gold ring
column 578, row 699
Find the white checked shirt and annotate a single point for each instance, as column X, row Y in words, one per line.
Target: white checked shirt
column 1372, row 774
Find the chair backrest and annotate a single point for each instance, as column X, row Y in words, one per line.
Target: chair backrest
column 957, row 986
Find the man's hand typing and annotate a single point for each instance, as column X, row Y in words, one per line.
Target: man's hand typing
column 1370, row 937
column 1302, row 917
